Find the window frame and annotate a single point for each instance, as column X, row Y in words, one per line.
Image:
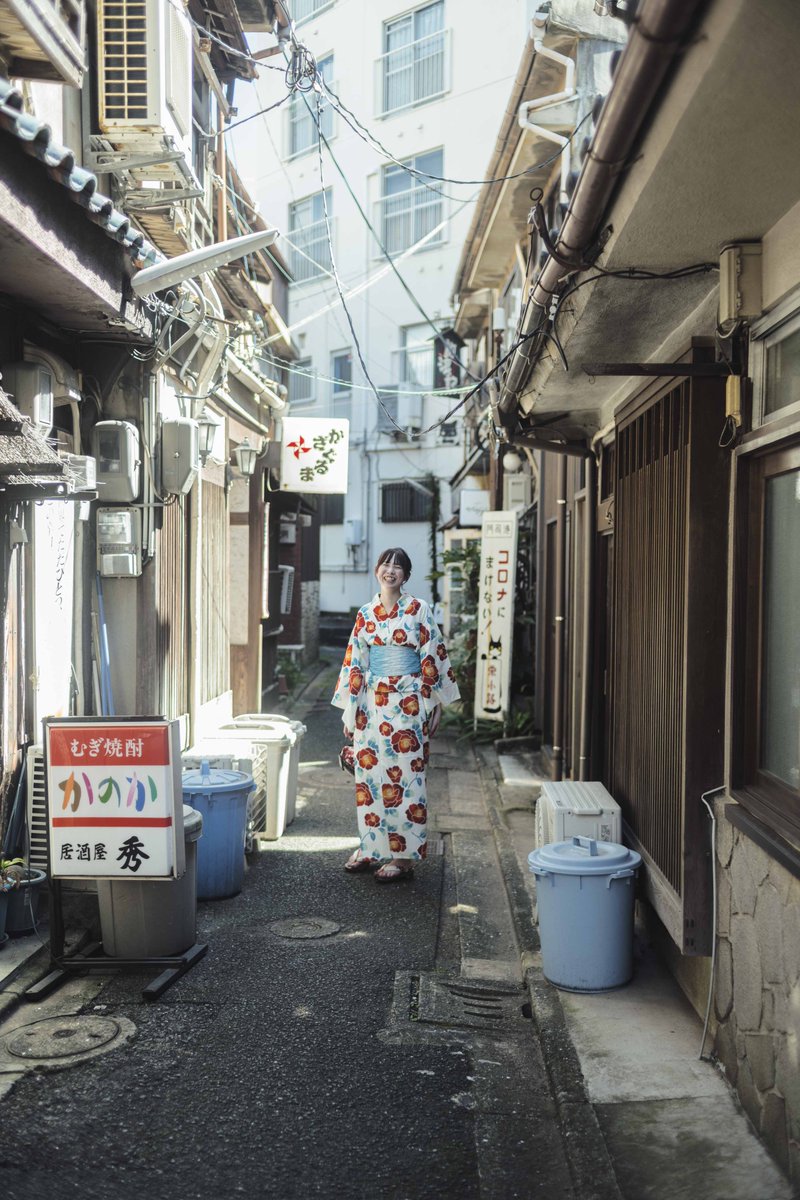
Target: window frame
column 298, row 105
column 767, row 798
column 415, row 189
column 295, row 257
column 303, row 364
column 315, row 12
column 341, row 394
column 782, row 322
column 394, row 23
column 402, row 486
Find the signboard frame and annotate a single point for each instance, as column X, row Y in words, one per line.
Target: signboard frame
column 497, row 586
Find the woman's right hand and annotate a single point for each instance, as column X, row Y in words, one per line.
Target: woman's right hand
column 348, row 733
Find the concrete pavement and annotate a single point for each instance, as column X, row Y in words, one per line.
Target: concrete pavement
column 344, row 1039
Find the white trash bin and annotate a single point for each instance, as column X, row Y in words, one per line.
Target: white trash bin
column 269, row 820
column 266, row 721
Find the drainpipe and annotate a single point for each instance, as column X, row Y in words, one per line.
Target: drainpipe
column 587, row 658
column 655, row 41
column 552, row 101
column 557, row 770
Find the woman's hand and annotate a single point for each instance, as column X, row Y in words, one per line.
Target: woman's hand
column 433, row 721
column 348, row 733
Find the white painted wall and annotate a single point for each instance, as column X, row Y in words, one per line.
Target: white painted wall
column 484, row 49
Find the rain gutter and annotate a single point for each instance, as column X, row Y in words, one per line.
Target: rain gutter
column 656, row 38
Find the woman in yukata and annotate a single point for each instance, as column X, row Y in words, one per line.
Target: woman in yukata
column 394, row 680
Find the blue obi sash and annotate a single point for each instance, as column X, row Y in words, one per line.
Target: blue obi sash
column 393, row 660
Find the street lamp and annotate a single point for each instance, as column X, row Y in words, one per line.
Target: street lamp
column 207, row 430
column 187, row 266
column 246, row 456
column 512, row 462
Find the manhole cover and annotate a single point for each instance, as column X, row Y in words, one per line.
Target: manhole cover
column 304, row 927
column 61, row 1037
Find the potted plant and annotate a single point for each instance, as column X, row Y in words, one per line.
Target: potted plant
column 20, row 885
column 11, row 872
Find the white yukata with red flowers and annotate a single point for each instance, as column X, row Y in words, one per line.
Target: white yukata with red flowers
column 389, row 718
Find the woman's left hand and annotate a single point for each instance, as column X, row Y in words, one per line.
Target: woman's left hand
column 433, row 721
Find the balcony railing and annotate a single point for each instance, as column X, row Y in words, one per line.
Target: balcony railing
column 302, row 125
column 406, row 217
column 414, row 73
column 310, row 253
column 303, row 9
column 412, row 366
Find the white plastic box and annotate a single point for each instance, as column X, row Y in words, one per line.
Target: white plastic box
column 577, row 809
column 257, row 721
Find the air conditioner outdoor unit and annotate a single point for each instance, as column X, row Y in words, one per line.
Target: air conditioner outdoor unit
column 250, row 757
column 36, row 809
column 287, row 589
column 409, row 412
column 145, row 80
column 575, row 809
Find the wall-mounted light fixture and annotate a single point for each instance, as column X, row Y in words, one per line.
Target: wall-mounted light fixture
column 512, row 462
column 246, row 456
column 207, row 429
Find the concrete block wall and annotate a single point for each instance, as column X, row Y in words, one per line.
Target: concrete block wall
column 757, row 991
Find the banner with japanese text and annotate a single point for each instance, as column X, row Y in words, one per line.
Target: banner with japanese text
column 314, row 454
column 496, row 615
column 114, row 798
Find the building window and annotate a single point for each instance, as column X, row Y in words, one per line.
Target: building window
column 415, row 357
column 302, row 10
column 342, row 377
column 409, row 210
column 303, row 112
column 770, row 720
column 413, row 66
column 331, row 510
column 301, row 383
column 308, row 237
column 405, row 502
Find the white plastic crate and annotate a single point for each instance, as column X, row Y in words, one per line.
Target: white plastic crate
column 577, row 809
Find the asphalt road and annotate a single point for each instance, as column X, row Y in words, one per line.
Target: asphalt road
column 297, row 1067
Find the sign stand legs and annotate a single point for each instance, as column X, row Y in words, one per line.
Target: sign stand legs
column 92, row 959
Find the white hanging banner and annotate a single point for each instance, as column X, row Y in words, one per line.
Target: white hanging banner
column 496, row 615
column 314, row 454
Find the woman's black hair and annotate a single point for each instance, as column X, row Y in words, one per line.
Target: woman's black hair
column 395, row 554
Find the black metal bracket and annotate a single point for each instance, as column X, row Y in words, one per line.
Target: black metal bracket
column 711, row 370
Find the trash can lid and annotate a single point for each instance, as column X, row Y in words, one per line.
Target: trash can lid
column 254, row 720
column 192, row 823
column 269, row 731
column 215, row 779
column 583, row 856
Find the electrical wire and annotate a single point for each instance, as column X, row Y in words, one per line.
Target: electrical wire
column 235, row 124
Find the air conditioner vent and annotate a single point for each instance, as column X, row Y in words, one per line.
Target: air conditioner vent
column 36, row 809
column 124, row 27
column 573, row 808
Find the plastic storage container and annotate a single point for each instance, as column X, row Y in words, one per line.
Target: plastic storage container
column 153, row 918
column 23, row 902
column 270, row 818
column 221, row 796
column 585, row 892
column 266, row 721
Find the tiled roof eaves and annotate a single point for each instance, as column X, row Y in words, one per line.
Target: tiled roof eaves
column 36, row 138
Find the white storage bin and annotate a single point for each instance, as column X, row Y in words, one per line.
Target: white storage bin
column 270, row 821
column 267, row 721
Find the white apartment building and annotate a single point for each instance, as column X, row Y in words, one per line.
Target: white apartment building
column 431, row 82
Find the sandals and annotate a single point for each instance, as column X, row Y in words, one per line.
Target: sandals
column 392, row 872
column 356, row 862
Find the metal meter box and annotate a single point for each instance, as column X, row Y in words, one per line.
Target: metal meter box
column 180, row 455
column 119, row 542
column 30, row 386
column 115, row 445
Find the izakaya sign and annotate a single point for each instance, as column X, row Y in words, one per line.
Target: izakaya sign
column 314, row 454
column 496, row 615
column 114, row 799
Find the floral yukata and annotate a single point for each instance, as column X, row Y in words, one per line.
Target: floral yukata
column 389, row 718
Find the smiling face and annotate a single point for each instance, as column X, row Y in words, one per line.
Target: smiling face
column 390, row 575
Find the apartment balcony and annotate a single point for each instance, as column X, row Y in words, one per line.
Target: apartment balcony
column 406, row 218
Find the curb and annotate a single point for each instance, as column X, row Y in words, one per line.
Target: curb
column 590, row 1164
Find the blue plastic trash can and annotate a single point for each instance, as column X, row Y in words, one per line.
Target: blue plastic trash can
column 221, row 797
column 585, row 893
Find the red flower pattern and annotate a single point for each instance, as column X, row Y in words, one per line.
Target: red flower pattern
column 424, row 635
column 386, row 728
column 399, row 637
column 364, row 796
column 367, row 758
column 417, row 813
column 372, row 819
column 392, row 795
column 412, row 608
column 441, row 652
column 370, row 626
column 395, row 774
column 418, row 765
column 405, row 741
column 356, row 681
column 397, row 842
column 429, row 670
column 361, row 718
column 410, row 705
column 348, row 655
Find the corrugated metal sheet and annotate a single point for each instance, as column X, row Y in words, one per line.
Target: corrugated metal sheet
column 37, row 140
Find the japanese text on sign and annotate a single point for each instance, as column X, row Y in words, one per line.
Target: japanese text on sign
column 113, row 791
column 497, row 583
column 314, row 455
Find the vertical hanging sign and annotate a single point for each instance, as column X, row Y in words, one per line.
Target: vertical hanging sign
column 495, row 615
column 114, row 798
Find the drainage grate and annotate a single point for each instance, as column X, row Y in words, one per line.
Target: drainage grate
column 62, row 1037
column 437, row 1001
column 304, row 927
